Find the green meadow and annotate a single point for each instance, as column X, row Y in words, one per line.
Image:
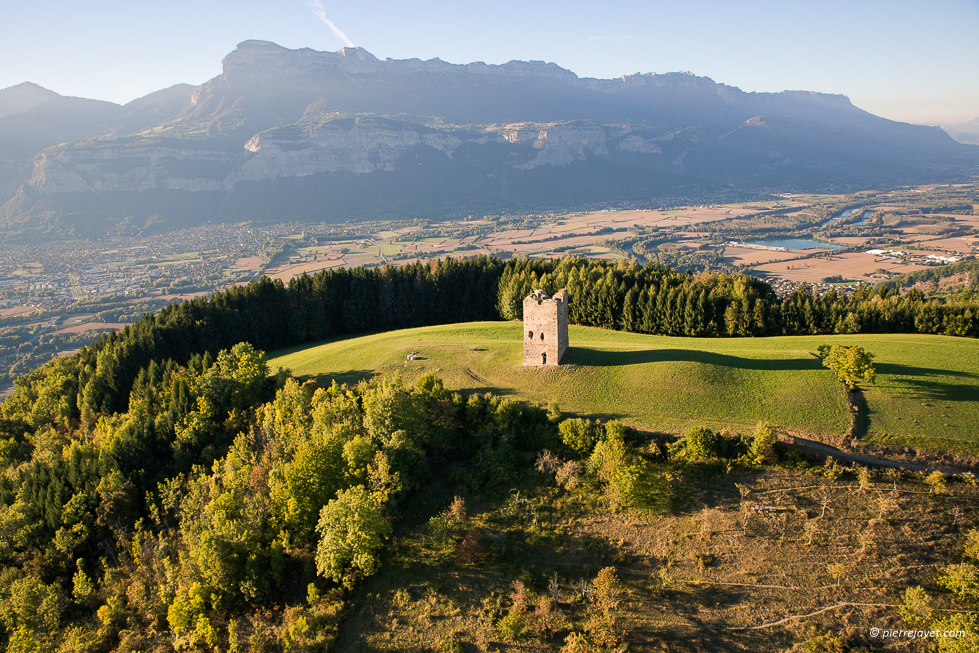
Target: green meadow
column 926, row 394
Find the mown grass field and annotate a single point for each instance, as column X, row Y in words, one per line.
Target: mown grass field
column 926, row 395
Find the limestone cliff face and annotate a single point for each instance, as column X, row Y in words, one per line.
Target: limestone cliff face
column 638, row 144
column 566, row 143
column 130, row 169
column 359, row 145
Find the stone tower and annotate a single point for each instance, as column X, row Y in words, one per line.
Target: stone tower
column 545, row 327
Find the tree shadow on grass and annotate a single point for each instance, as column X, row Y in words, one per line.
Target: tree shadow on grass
column 896, row 369
column 934, row 390
column 349, row 377
column 861, row 420
column 606, row 417
column 913, row 382
column 468, row 392
column 597, row 357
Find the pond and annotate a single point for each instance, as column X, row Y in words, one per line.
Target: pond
column 842, row 216
column 795, row 243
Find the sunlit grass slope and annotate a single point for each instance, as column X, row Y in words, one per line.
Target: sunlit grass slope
column 927, row 392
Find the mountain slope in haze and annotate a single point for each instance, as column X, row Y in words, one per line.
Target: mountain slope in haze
column 33, row 118
column 23, row 97
column 966, row 132
column 305, row 135
column 153, row 109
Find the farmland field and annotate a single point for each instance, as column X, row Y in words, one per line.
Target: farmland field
column 926, row 395
column 859, row 265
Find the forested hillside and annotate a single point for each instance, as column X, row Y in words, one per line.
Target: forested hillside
column 193, row 520
column 163, row 490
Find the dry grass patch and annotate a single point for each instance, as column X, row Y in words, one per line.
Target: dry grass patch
column 741, row 550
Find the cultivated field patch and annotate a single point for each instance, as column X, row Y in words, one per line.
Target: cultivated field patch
column 852, row 265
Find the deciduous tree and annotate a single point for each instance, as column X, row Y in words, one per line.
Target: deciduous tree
column 849, row 362
column 352, row 528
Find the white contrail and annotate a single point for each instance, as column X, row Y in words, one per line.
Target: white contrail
column 316, row 7
column 608, row 38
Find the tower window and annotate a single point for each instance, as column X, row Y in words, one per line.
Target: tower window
column 541, row 335
column 544, row 359
column 530, row 334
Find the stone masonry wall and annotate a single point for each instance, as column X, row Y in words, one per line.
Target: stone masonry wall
column 545, row 327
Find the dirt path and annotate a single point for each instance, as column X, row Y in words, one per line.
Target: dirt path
column 818, row 448
column 859, row 425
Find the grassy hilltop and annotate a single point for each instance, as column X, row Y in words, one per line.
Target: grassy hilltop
column 924, row 397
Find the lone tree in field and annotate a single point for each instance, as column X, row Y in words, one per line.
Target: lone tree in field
column 849, row 362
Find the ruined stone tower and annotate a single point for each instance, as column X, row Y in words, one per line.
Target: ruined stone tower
column 545, row 327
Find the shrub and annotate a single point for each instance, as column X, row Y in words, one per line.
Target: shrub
column 614, row 430
column 547, row 463
column 513, row 626
column 607, row 458
column 601, row 623
column 577, row 643
column 457, row 510
column 554, row 412
column 962, row 580
column 579, row 434
column 959, row 622
column 936, row 480
column 628, row 485
column 828, row 643
column 470, row 550
column 569, row 475
column 831, row 469
column 444, row 527
column 547, row 618
column 763, row 443
column 916, row 606
column 972, row 544
column 698, row 444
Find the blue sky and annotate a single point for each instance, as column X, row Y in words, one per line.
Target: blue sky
column 902, row 59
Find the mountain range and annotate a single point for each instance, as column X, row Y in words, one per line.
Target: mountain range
column 304, row 135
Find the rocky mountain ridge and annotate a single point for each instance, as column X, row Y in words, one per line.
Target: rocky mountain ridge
column 262, row 59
